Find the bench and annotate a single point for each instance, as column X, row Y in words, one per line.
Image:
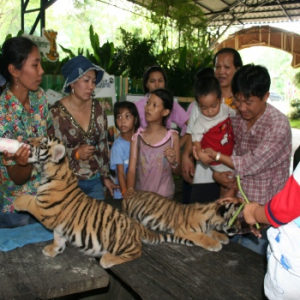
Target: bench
column 26, row 273
column 179, row 272
column 171, row 272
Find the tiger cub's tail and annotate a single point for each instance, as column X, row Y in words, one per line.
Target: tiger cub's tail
column 151, row 237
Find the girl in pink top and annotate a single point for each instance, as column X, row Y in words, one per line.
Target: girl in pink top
column 156, row 78
column 154, row 150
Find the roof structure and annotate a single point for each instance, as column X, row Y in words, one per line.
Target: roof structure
column 265, row 36
column 243, row 12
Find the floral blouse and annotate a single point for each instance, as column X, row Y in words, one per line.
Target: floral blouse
column 72, row 135
column 16, row 121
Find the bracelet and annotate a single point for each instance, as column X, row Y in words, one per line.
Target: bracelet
column 174, row 165
column 77, row 155
column 218, row 156
column 123, row 192
column 131, row 188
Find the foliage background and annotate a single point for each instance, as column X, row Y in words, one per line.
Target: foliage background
column 145, row 39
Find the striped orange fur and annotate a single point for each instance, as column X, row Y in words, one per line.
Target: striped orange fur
column 201, row 223
column 95, row 227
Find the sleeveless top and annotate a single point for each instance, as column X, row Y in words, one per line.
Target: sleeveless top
column 153, row 171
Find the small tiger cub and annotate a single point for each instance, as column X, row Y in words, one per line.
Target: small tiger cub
column 95, row 227
column 196, row 222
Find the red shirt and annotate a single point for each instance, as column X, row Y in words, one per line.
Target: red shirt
column 285, row 206
column 220, row 138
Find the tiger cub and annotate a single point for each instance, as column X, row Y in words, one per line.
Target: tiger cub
column 95, row 227
column 197, row 222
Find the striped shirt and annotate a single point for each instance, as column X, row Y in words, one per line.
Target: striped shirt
column 262, row 154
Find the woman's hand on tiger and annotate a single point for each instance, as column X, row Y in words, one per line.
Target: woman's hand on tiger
column 86, row 151
column 110, row 185
column 170, row 154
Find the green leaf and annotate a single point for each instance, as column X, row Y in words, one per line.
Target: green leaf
column 71, row 54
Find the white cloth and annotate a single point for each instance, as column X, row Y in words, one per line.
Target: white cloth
column 203, row 174
column 282, row 280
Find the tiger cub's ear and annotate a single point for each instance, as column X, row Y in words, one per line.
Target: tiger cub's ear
column 59, row 152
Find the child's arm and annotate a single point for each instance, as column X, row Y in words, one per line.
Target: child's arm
column 218, row 156
column 200, row 155
column 255, row 213
column 122, row 179
column 173, row 155
column 131, row 169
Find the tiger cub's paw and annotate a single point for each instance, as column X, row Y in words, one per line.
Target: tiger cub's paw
column 224, row 240
column 18, row 203
column 52, row 250
column 221, row 237
column 214, row 247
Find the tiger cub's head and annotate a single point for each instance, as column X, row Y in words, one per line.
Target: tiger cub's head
column 224, row 213
column 45, row 149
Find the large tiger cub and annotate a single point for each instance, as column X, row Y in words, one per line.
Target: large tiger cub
column 95, row 227
column 197, row 222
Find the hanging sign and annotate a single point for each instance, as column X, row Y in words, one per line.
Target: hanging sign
column 46, row 44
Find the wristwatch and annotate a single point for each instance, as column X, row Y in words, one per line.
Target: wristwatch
column 218, row 156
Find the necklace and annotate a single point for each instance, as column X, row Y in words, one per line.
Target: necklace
column 89, row 134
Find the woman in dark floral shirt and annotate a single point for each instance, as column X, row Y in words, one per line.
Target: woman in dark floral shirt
column 80, row 122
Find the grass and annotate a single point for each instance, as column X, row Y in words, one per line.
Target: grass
column 295, row 123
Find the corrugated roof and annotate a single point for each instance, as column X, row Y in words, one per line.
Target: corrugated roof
column 242, row 12
column 231, row 12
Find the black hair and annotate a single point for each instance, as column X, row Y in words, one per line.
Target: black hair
column 167, row 100
column 15, row 51
column 237, row 60
column 204, row 72
column 207, row 83
column 118, row 106
column 147, row 75
column 251, row 80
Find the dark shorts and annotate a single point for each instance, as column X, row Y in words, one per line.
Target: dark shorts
column 205, row 192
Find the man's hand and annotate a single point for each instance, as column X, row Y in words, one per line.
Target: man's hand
column 226, row 179
column 188, row 168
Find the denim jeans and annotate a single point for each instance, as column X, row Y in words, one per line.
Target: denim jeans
column 11, row 220
column 250, row 241
column 92, row 187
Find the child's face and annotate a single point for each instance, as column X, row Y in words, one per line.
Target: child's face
column 154, row 109
column 209, row 105
column 125, row 121
column 155, row 81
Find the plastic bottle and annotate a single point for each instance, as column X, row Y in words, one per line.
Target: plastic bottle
column 9, row 145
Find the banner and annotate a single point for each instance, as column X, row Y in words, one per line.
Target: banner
column 46, row 44
column 105, row 93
